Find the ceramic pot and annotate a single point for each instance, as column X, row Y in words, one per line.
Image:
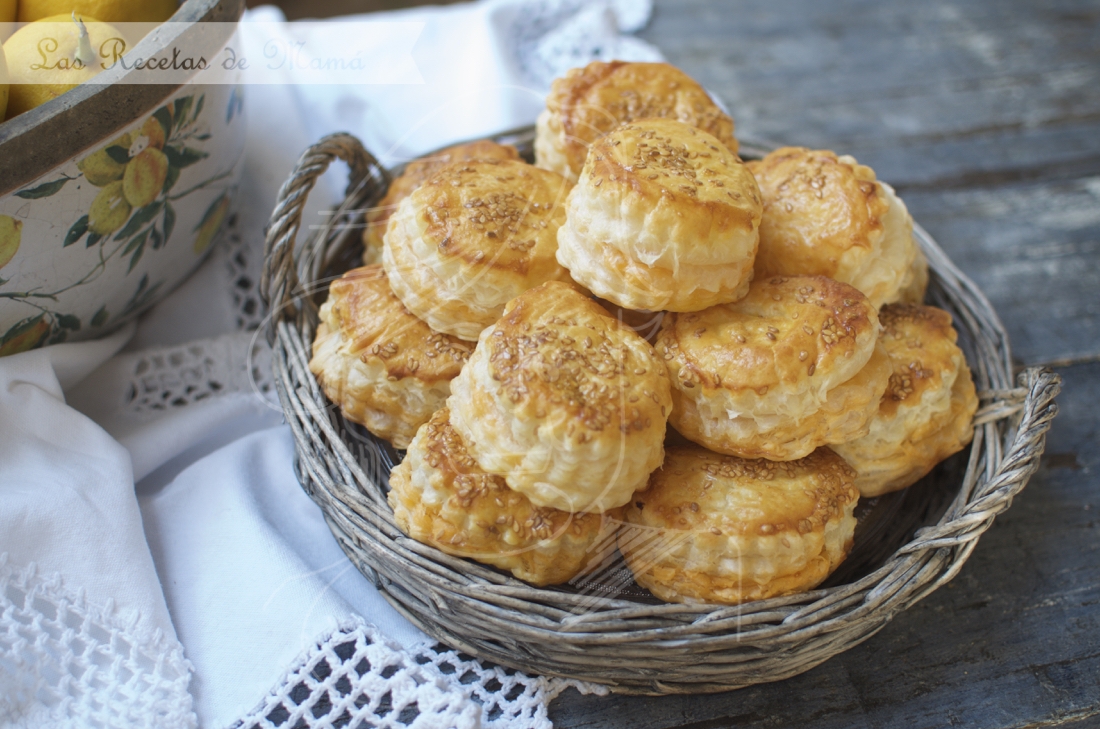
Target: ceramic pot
column 112, row 194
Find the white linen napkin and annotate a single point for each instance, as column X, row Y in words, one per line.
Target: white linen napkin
column 159, row 563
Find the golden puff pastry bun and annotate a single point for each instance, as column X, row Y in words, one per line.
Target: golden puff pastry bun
column 416, row 173
column 587, row 103
column 715, row 528
column 664, row 217
column 827, row 215
column 384, row 367
column 440, row 497
column 474, row 236
column 926, row 412
column 794, row 365
column 563, row 402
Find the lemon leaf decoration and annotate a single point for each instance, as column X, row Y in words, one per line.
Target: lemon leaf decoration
column 181, row 106
column 169, row 221
column 185, row 157
column 118, row 153
column 164, row 116
column 43, row 190
column 138, row 246
column 171, row 178
column 140, row 218
column 137, row 241
column 76, row 232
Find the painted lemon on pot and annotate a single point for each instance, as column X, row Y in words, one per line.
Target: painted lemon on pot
column 11, row 232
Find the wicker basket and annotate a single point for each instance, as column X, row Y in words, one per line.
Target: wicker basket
column 632, row 645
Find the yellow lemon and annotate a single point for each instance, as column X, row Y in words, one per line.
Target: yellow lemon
column 7, row 15
column 100, row 168
column 29, row 336
column 151, row 135
column 109, row 11
column 144, row 177
column 109, row 209
column 11, row 231
column 47, row 59
column 3, row 83
column 211, row 224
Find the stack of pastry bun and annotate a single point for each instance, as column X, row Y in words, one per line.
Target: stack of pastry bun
column 793, row 370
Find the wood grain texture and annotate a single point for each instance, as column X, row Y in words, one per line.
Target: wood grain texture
column 985, row 117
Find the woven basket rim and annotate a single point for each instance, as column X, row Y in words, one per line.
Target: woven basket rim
column 633, row 647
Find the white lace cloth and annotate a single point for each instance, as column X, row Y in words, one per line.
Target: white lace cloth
column 159, row 564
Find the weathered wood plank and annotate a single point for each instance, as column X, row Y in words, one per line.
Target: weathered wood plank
column 1035, row 251
column 1013, row 641
column 927, row 93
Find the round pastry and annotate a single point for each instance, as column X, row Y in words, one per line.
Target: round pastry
column 384, row 367
column 440, row 497
column 472, row 237
column 563, row 402
column 828, row 216
column 793, row 366
column 588, row 102
column 925, row 414
column 415, row 174
column 663, row 217
column 714, row 528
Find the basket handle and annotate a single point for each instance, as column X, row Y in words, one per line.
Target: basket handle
column 280, row 283
column 1021, row 460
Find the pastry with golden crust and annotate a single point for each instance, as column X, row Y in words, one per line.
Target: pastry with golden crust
column 472, row 237
column 587, row 103
column 440, row 497
column 715, row 528
column 416, row 173
column 828, row 216
column 926, row 413
column 794, row 365
column 565, row 403
column 384, row 367
column 663, row 218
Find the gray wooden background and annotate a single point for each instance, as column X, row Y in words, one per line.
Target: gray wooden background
column 985, row 115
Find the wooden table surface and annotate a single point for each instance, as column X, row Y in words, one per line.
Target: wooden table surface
column 986, row 118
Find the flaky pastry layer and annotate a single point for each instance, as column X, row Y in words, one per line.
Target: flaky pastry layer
column 926, row 412
column 586, row 103
column 472, row 237
column 565, row 403
column 414, row 175
column 663, row 217
column 715, row 528
column 792, row 366
column 441, row 497
column 384, row 367
column 828, row 215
